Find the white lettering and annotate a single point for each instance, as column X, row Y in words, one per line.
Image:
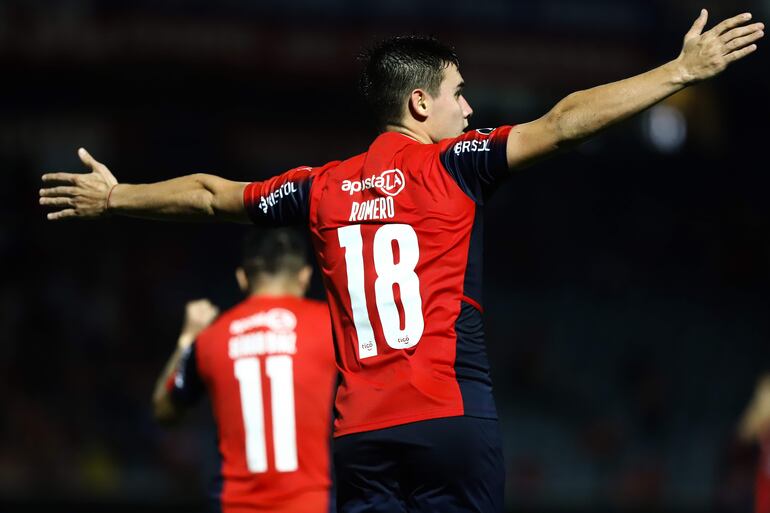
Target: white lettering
column 353, row 211
column 474, row 145
column 262, row 342
column 389, row 182
column 274, row 197
column 373, row 209
column 275, row 319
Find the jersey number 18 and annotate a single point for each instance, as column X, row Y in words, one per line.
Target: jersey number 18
column 389, row 274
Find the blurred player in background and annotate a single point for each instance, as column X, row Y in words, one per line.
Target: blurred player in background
column 398, row 235
column 268, row 366
column 755, row 427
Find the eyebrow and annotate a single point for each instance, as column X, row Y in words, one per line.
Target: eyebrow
column 460, row 86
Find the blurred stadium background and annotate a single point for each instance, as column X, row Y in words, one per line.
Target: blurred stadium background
column 626, row 282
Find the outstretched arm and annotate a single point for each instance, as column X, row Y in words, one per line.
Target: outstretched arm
column 95, row 194
column 198, row 315
column 584, row 113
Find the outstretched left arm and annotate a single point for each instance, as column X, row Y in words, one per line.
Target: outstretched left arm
column 195, row 197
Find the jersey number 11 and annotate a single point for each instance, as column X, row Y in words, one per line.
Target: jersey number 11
column 279, row 370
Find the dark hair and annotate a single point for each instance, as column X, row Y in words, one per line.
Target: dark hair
column 395, row 67
column 275, row 251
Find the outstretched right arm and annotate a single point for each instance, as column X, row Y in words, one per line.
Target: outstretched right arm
column 584, row 113
column 95, row 194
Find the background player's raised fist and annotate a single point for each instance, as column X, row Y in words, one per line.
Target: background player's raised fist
column 705, row 54
column 77, row 194
column 198, row 315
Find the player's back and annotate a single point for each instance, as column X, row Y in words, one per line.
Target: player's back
column 398, row 233
column 268, row 366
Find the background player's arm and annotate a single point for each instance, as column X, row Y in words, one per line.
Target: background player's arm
column 756, row 419
column 584, row 113
column 94, row 194
column 198, row 315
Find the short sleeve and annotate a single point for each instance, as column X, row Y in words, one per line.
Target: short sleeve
column 185, row 385
column 477, row 160
column 281, row 200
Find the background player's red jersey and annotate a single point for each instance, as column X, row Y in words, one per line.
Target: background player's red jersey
column 762, row 479
column 397, row 232
column 268, row 366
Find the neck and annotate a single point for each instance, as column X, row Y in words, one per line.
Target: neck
column 277, row 288
column 413, row 132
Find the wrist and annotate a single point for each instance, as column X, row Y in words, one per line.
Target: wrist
column 678, row 73
column 108, row 203
column 185, row 340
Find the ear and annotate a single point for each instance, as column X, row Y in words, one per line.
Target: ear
column 304, row 276
column 243, row 281
column 419, row 104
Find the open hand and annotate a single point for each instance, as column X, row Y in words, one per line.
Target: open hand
column 77, row 194
column 706, row 54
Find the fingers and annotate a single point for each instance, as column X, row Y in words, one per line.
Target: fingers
column 57, row 202
column 740, row 54
column 70, row 178
column 738, row 43
column 731, row 23
column 58, row 191
column 700, row 22
column 741, row 31
column 61, row 214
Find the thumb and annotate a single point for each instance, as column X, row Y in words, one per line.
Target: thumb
column 87, row 159
column 96, row 166
column 697, row 27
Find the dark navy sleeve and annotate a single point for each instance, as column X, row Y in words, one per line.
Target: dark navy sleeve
column 477, row 160
column 281, row 200
column 185, row 385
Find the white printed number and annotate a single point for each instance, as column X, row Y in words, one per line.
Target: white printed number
column 279, row 370
column 389, row 273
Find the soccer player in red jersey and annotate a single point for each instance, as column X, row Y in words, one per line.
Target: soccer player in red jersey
column 268, row 366
column 397, row 232
column 755, row 427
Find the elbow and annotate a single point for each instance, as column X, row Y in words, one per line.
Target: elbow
column 564, row 122
column 205, row 194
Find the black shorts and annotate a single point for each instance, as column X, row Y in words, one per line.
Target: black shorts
column 447, row 465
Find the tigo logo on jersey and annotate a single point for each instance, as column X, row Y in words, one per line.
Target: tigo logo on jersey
column 390, row 182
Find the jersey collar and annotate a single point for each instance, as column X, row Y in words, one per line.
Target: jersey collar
column 384, row 147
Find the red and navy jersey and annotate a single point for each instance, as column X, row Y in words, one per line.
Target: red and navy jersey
column 397, row 232
column 268, row 367
column 762, row 478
